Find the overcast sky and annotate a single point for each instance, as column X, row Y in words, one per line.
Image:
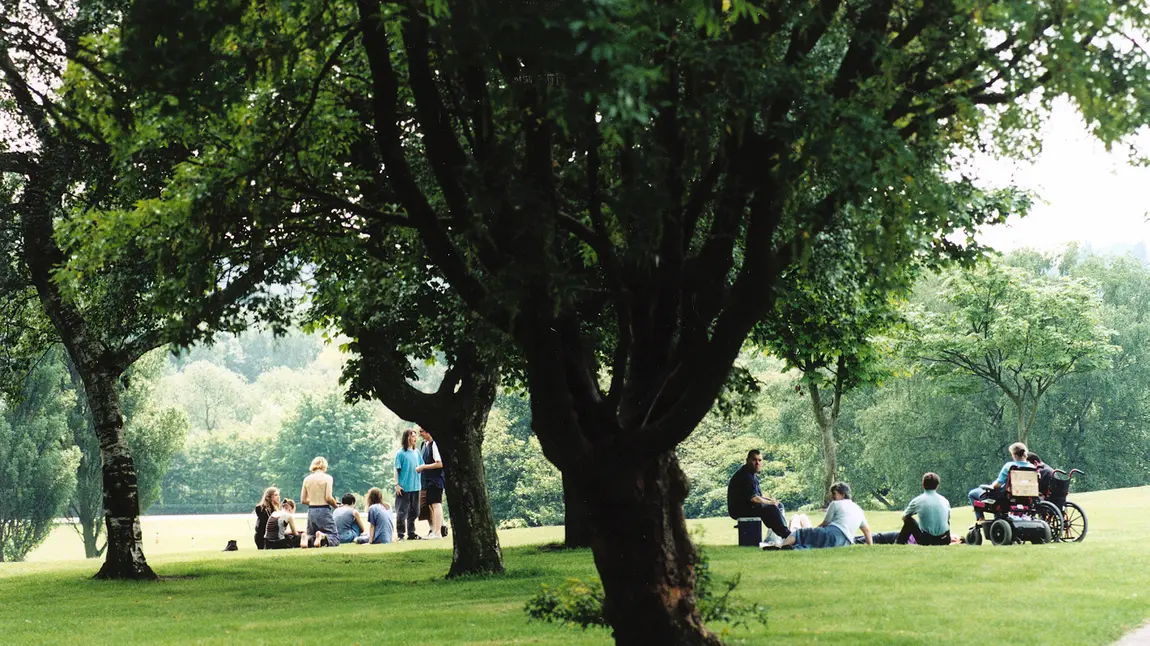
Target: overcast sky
column 1085, row 194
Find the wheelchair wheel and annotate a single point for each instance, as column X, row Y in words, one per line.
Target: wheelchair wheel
column 1045, row 537
column 1001, row 532
column 973, row 536
column 1050, row 513
column 1073, row 523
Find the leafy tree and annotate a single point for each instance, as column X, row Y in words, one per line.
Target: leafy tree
column 348, row 436
column 212, row 396
column 37, row 465
column 1018, row 332
column 64, row 104
column 636, row 217
column 221, row 472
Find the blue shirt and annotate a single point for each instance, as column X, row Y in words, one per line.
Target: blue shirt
column 382, row 523
column 405, row 462
column 1006, row 470
column 933, row 512
column 345, row 525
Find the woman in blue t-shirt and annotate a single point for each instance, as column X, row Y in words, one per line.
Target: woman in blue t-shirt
column 407, row 484
column 1018, row 452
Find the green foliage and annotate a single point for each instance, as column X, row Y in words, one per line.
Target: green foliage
column 358, row 453
column 576, row 602
column 525, row 489
column 1018, row 332
column 37, row 463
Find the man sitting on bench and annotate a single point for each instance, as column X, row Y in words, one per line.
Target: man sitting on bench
column 745, row 498
column 933, row 510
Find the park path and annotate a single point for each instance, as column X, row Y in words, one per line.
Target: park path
column 1140, row 637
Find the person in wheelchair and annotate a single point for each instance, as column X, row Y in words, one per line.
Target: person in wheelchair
column 994, row 490
column 1045, row 473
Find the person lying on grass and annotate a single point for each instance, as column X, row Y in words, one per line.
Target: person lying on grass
column 843, row 519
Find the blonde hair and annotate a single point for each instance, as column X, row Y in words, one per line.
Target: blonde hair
column 1018, row 451
column 319, row 464
column 266, row 501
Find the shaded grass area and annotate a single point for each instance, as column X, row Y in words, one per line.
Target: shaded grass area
column 1087, row 593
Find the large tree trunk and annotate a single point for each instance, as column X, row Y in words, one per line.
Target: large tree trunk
column 125, row 553
column 476, row 544
column 644, row 555
column 576, row 515
column 124, row 558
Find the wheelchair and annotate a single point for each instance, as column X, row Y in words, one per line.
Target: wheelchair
column 1067, row 519
column 1015, row 513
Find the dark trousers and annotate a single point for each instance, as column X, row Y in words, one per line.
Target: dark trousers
column 910, row 528
column 406, row 511
column 771, row 515
column 284, row 543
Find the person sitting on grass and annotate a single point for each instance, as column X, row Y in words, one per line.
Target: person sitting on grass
column 842, row 520
column 933, row 510
column 349, row 525
column 281, row 531
column 380, row 518
column 745, row 498
column 1018, row 452
column 263, row 510
column 316, row 494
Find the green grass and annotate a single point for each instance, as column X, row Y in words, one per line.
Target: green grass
column 1086, row 593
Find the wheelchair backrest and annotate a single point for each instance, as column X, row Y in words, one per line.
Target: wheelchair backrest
column 1023, row 481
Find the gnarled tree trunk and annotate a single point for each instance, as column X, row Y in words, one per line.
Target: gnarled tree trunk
column 455, row 415
column 475, row 542
column 644, row 555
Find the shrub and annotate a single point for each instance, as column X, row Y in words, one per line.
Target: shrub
column 580, row 603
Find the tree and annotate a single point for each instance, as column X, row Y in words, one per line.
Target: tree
column 59, row 154
column 37, row 464
column 1020, row 333
column 348, row 436
column 211, row 395
column 154, row 436
column 634, row 219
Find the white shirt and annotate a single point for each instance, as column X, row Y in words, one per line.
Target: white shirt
column 847, row 516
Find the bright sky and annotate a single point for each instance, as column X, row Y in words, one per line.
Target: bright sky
column 1085, row 194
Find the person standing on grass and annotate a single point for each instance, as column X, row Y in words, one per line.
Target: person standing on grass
column 316, row 494
column 380, row 519
column 407, row 485
column 933, row 524
column 745, row 498
column 431, row 477
column 281, row 532
column 349, row 525
column 842, row 520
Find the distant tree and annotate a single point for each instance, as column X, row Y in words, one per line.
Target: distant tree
column 211, row 395
column 1018, row 332
column 358, row 457
column 524, row 488
column 37, row 462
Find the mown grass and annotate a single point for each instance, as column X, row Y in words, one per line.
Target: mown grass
column 1086, row 593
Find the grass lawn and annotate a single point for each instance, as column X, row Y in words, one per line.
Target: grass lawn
column 1086, row 593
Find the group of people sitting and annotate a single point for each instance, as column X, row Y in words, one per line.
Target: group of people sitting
column 276, row 528
column 418, row 495
column 926, row 520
